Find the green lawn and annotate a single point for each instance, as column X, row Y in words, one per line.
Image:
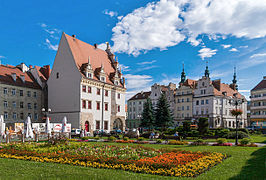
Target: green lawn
column 244, row 163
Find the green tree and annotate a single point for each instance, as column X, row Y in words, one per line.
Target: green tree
column 147, row 119
column 203, row 126
column 163, row 115
column 186, row 127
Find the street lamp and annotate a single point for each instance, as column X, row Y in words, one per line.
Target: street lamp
column 235, row 102
column 46, row 112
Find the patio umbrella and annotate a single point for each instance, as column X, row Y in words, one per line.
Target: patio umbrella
column 48, row 126
column 2, row 127
column 64, row 123
column 29, row 132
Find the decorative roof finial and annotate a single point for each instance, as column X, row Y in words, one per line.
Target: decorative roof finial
column 207, row 73
column 89, row 60
column 107, row 46
column 183, row 75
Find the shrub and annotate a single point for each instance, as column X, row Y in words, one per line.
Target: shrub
column 141, row 139
column 245, row 141
column 193, row 133
column 159, row 141
column 199, row 142
column 210, row 133
column 125, row 138
column 221, row 140
column 174, row 142
column 222, row 132
column 223, row 144
column 241, row 135
column 203, row 125
column 191, row 138
column 111, row 138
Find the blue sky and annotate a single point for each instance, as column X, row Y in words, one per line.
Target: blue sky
column 150, row 38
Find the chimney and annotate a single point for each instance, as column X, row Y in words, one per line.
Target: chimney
column 22, row 77
column 46, row 71
column 74, row 36
column 264, row 78
column 96, row 46
column 30, row 66
column 14, row 76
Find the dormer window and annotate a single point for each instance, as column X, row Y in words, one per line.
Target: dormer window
column 89, row 75
column 103, row 79
column 116, row 83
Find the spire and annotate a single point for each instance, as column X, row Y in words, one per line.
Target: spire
column 207, row 73
column 183, row 75
column 108, row 46
column 234, row 77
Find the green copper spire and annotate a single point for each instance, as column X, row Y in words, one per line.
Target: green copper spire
column 234, row 77
column 183, row 75
column 207, row 73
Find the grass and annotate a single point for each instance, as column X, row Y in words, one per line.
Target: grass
column 244, row 163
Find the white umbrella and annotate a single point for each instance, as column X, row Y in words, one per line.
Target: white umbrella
column 48, row 126
column 64, row 124
column 29, row 132
column 2, row 125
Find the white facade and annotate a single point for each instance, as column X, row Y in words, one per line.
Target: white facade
column 85, row 109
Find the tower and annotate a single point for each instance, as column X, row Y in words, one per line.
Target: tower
column 234, row 81
column 183, row 75
column 207, row 73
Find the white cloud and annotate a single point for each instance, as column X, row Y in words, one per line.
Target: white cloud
column 110, row 13
column 166, row 23
column 52, row 32
column 258, row 55
column 102, row 46
column 50, row 45
column 137, row 83
column 2, row 57
column 226, row 46
column 243, row 46
column 207, row 52
column 244, row 91
column 233, row 50
column 145, row 68
column 146, row 62
column 166, row 80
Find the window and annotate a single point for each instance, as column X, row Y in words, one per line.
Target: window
column 197, row 112
column 98, row 105
column 29, row 105
column 35, row 116
column 207, row 101
column 139, row 102
column 182, row 100
column 197, row 102
column 21, row 116
column 35, row 94
column 118, row 108
column 97, row 124
column 83, row 88
column 98, row 91
column 5, row 115
column 35, row 106
column 118, row 95
column 202, row 112
column 187, row 107
column 203, row 84
column 89, row 75
column 201, row 91
column 155, row 94
column 89, row 104
column 14, row 104
column 5, row 104
column 21, row 92
column 29, row 94
column 14, row 116
column 105, row 125
column 207, row 111
column 57, row 75
column 106, row 93
column 202, row 102
column 89, row 89
column 13, row 92
column 178, row 100
column 103, row 79
column 5, row 91
column 83, row 104
column 187, row 99
column 106, row 106
column 204, row 91
column 21, row 105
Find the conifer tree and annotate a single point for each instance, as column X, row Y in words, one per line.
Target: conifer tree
column 163, row 115
column 147, row 119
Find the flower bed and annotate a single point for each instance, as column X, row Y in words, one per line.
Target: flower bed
column 130, row 158
column 223, row 144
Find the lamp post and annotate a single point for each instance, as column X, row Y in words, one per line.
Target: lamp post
column 46, row 112
column 235, row 102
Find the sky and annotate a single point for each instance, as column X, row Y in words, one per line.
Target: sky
column 152, row 39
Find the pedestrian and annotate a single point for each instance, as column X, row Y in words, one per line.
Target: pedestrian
column 176, row 135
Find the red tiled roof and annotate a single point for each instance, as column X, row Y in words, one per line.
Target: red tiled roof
column 261, row 85
column 191, row 83
column 82, row 51
column 221, row 88
column 44, row 72
column 141, row 95
column 6, row 78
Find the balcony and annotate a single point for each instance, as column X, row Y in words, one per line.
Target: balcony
column 258, row 98
column 258, row 107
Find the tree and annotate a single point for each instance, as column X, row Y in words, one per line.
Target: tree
column 147, row 119
column 203, row 125
column 163, row 115
column 186, row 127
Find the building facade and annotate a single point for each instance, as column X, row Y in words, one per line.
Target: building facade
column 258, row 104
column 22, row 92
column 211, row 100
column 86, row 86
column 135, row 108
